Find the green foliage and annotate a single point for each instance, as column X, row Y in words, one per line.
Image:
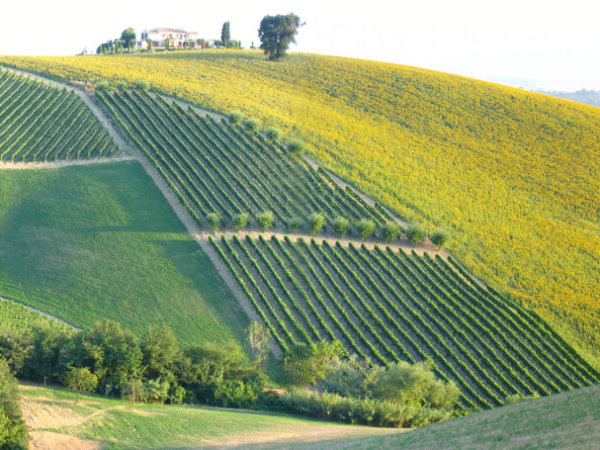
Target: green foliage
column 257, row 343
column 128, row 38
column 133, row 390
column 273, row 134
column 340, row 225
column 160, row 352
column 240, row 221
column 372, row 412
column 416, row 233
column 265, row 220
column 365, row 228
column 440, row 238
column 251, row 125
column 295, row 224
column 104, row 86
column 305, row 364
column 113, row 353
column 411, row 384
column 316, row 223
column 13, row 431
column 123, row 85
column 142, row 84
column 226, row 35
column 391, row 230
column 235, row 117
column 296, row 147
column 276, row 33
column 80, row 379
column 214, row 221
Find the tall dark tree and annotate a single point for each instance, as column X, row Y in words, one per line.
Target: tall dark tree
column 226, row 35
column 276, row 33
column 128, row 37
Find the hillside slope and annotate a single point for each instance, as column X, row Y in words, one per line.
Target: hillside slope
column 87, row 243
column 512, row 174
column 55, row 421
column 567, row 420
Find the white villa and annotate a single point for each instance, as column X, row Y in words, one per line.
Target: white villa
column 177, row 37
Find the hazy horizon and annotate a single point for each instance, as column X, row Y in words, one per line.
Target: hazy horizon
column 536, row 45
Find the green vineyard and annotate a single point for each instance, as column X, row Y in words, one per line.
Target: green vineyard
column 221, row 168
column 40, row 123
column 386, row 306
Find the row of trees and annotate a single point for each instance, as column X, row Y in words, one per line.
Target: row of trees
column 111, row 361
column 341, row 226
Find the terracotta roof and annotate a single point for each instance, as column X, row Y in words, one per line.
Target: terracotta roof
column 167, row 30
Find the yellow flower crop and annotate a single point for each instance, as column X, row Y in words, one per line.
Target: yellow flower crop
column 513, row 175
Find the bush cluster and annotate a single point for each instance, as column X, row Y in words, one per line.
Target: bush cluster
column 111, row 361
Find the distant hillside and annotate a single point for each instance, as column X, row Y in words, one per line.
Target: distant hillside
column 582, row 96
column 512, row 174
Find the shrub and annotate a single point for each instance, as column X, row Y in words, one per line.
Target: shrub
column 251, row 125
column 352, row 410
column 340, row 225
column 80, row 379
column 440, row 238
column 265, row 220
column 416, row 233
column 295, row 223
column 317, row 222
column 13, row 431
column 123, row 85
column 240, row 221
column 273, row 134
column 104, row 86
column 390, row 230
column 235, row 117
column 214, row 221
column 365, row 227
column 142, row 84
column 296, row 146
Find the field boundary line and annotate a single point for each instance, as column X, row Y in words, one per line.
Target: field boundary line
column 62, row 163
column 39, row 311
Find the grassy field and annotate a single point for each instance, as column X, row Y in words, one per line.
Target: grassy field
column 91, row 242
column 567, row 420
column 53, row 415
column 512, row 174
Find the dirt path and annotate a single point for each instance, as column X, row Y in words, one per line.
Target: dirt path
column 39, row 311
column 63, row 163
column 198, row 235
column 200, row 111
column 267, row 235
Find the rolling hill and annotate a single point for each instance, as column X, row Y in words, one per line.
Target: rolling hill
column 512, row 174
column 382, row 305
column 567, row 420
column 97, row 422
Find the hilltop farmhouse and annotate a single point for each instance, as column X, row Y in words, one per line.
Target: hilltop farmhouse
column 177, row 38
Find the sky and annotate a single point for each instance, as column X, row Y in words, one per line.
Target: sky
column 534, row 44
